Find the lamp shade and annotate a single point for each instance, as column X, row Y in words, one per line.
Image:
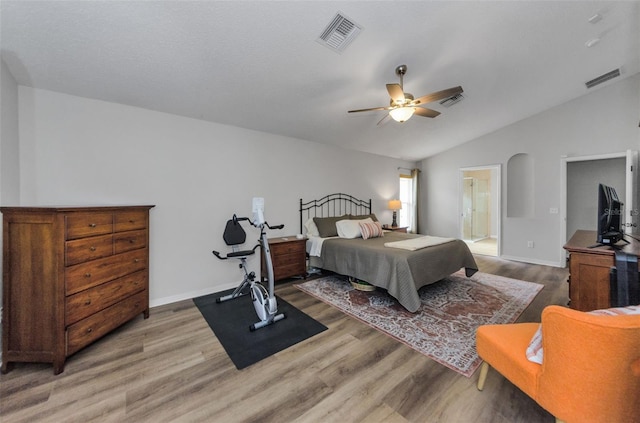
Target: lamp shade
column 395, row 205
column 402, row 114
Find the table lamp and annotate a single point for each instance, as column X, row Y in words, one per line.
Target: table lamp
column 394, row 205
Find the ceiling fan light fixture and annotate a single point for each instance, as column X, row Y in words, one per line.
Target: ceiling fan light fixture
column 402, row 114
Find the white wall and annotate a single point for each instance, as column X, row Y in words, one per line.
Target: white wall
column 603, row 121
column 9, row 152
column 77, row 151
column 9, row 148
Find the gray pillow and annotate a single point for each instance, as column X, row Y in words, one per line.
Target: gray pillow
column 327, row 225
column 364, row 216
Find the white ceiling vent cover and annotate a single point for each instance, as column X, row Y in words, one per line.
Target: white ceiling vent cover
column 339, row 33
column 603, row 78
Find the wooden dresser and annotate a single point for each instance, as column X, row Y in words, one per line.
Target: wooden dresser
column 288, row 255
column 589, row 282
column 70, row 276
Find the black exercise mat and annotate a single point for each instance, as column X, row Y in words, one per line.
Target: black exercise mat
column 230, row 321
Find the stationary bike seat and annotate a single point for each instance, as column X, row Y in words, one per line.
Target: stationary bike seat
column 240, row 253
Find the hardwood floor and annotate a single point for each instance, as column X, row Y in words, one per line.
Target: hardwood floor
column 171, row 368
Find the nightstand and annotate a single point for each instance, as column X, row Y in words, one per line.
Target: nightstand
column 397, row 228
column 288, row 255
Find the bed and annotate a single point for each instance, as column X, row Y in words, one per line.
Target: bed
column 401, row 271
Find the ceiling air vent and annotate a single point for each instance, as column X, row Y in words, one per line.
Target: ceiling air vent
column 339, row 33
column 603, row 78
column 448, row 102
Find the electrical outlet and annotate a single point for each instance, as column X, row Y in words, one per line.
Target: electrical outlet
column 553, row 210
column 529, row 244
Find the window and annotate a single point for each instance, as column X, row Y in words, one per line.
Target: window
column 406, row 198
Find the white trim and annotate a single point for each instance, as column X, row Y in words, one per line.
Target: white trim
column 535, row 261
column 191, row 294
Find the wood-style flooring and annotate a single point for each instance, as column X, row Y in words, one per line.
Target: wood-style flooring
column 171, row 368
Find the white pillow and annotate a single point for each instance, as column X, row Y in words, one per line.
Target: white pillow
column 350, row 228
column 310, row 226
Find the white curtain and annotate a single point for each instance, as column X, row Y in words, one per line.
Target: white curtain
column 414, row 213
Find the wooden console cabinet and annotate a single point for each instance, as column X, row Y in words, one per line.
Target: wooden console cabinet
column 70, row 276
column 589, row 270
column 288, row 255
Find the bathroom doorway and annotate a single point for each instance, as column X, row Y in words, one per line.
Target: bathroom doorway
column 480, row 209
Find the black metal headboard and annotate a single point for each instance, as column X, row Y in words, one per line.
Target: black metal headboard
column 333, row 205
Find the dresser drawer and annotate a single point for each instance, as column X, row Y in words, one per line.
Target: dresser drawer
column 288, row 248
column 87, row 275
column 85, row 249
column 82, row 225
column 282, row 272
column 288, row 259
column 89, row 301
column 98, row 324
column 130, row 220
column 131, row 240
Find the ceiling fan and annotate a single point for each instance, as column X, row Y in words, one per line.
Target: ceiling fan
column 402, row 105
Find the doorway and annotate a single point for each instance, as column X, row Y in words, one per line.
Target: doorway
column 615, row 169
column 480, row 209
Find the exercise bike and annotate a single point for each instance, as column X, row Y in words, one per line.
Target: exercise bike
column 264, row 300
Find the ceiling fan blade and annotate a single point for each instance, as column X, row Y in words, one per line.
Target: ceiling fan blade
column 396, row 93
column 384, row 119
column 369, row 110
column 423, row 111
column 450, row 92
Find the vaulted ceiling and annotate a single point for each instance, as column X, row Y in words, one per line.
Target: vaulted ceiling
column 258, row 64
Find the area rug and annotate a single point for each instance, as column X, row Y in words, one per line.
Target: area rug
column 444, row 328
column 230, row 321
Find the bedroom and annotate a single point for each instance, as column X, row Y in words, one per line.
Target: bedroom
column 198, row 173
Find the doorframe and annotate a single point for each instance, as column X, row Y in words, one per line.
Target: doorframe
column 563, row 189
column 497, row 170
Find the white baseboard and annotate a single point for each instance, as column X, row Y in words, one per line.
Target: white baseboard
column 533, row 261
column 191, row 294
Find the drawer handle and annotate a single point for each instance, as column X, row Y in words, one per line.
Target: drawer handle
column 132, row 241
column 136, row 260
column 92, row 248
column 88, row 302
column 132, row 221
column 87, row 275
column 89, row 330
column 92, row 225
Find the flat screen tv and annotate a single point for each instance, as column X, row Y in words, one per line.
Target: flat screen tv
column 609, row 216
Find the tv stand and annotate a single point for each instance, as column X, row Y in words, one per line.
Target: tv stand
column 589, row 267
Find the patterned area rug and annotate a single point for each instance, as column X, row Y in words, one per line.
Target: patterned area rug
column 444, row 328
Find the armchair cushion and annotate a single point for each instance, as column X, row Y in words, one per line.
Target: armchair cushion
column 507, row 357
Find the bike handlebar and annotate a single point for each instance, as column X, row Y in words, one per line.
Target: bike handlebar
column 238, row 219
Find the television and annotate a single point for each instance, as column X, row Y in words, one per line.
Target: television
column 609, row 216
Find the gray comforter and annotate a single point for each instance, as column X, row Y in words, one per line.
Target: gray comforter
column 400, row 272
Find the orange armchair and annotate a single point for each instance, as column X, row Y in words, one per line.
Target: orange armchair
column 591, row 366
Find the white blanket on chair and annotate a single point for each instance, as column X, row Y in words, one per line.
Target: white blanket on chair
column 418, row 243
